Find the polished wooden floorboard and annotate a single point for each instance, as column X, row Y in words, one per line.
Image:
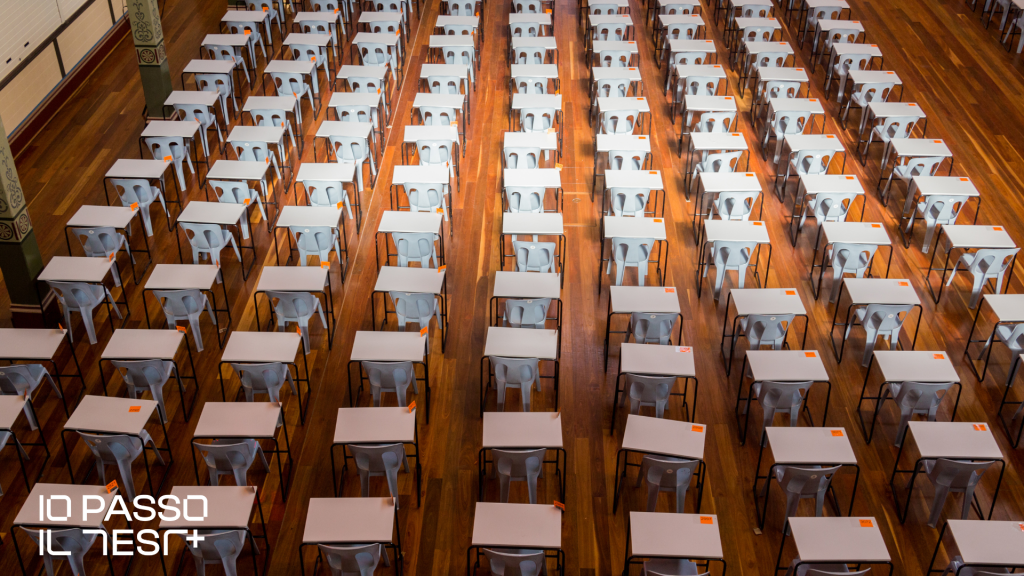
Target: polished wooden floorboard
column 966, row 83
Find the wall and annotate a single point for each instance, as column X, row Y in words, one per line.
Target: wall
column 28, row 24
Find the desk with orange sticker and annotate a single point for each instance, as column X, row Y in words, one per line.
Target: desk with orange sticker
column 836, row 187
column 704, row 77
column 109, row 415
column 117, row 217
column 866, row 291
column 631, row 183
column 711, row 184
column 367, row 79
column 629, row 300
column 821, row 540
column 672, row 537
column 982, row 544
column 694, row 106
column 535, row 527
column 152, row 171
column 850, row 30
column 794, row 144
column 223, row 214
column 935, row 190
column 522, row 431
column 301, row 219
column 446, row 135
column 903, row 152
column 379, row 346
column 509, row 342
column 248, row 348
column 719, row 152
column 535, row 226
column 785, row 76
column 393, row 221
column 832, row 234
column 39, row 346
column 86, row 270
column 616, row 26
column 526, row 286
column 375, row 426
column 140, row 345
column 1008, row 310
column 899, row 366
column 771, row 302
column 202, row 277
column 684, row 26
column 314, row 280
column 968, row 237
column 629, row 228
column 411, row 280
column 657, row 361
column 733, row 231
column 635, row 150
column 660, row 437
column 971, row 441
column 188, row 132
column 781, row 366
column 806, row 448
column 781, row 108
column 879, row 111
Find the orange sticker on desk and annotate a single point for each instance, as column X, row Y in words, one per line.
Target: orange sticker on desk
column 758, row 223
column 813, row 99
column 866, row 524
column 902, row 283
column 378, row 90
column 439, row 210
column 728, row 97
column 790, row 292
column 706, row 520
column 547, row 10
column 829, row 136
column 295, row 94
column 937, row 141
column 696, row 428
column 811, row 354
column 558, row 166
column 659, row 220
column 876, row 225
column 325, row 265
column 734, row 134
column 965, row 179
column 134, row 206
column 338, row 205
column 890, row 72
column 837, row 433
column 246, row 201
column 298, row 330
column 749, row 175
column 181, row 329
column 424, row 330
column 266, row 8
column 997, row 228
column 799, row 69
column 654, row 172
column 135, row 408
column 558, row 504
column 312, row 58
column 670, row 290
column 335, row 10
column 851, row 177
column 111, row 257
column 412, row 406
column 642, row 137
column 640, row 99
column 939, row 356
column 980, row 427
column 112, row 486
column 911, row 104
column 168, row 158
column 683, row 349
column 246, row 32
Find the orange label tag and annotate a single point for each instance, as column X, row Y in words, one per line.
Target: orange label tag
column 412, row 406
column 901, row 283
column 312, row 58
column 851, row 177
column 829, row 136
column 965, row 179
column 790, row 292
column 716, row 66
column 558, row 504
column 135, row 408
column 911, row 104
column 246, row 201
column 866, row 524
column 338, row 205
column 799, row 69
column 335, row 10
column 737, row 135
column 378, row 90
column 683, row 349
column 168, row 158
column 706, row 520
column 325, row 265
column 424, row 330
column 813, row 100
column 640, row 99
column 111, row 257
column 441, row 268
column 696, row 428
column 837, row 433
column 642, row 137
column 653, row 172
column 749, row 175
column 939, row 356
column 890, row 72
column 547, row 10
column 937, row 141
column 979, row 427
column 295, row 94
column 632, row 69
column 758, row 223
column 811, row 354
column 659, row 220
column 134, row 206
column 728, row 97
column 670, row 290
column 439, row 210
column 876, row 225
column 265, row 8
column 558, row 166
column 112, row 486
column 997, row 228
column 298, row 330
column 246, row 32
column 181, row 329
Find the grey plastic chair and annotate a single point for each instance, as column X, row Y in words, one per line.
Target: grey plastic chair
column 519, row 466
column 4, row 438
column 525, row 199
column 426, row 198
column 266, row 378
column 297, row 307
column 534, row 256
column 359, row 560
column 651, row 328
column 954, row 568
column 879, row 320
column 802, row 483
column 104, row 242
column 665, row 474
column 140, row 191
column 186, row 305
column 765, row 330
column 416, row 307
column 315, row 240
column 162, row 147
column 914, row 398
column 522, row 373
column 83, row 298
column 653, row 391
column 778, row 398
column 382, row 460
column 630, row 253
column 217, row 547
column 147, row 375
column 526, row 313
column 415, row 246
column 209, row 239
column 70, row 545
column 390, row 377
column 726, row 256
column 629, row 201
column 327, row 193
column 234, row 192
column 513, row 562
column 234, row 456
column 849, row 259
column 953, row 476
column 120, row 450
column 19, row 379
column 984, row 265
column 671, row 567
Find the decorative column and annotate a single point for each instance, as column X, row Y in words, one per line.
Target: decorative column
column 20, row 260
column 148, row 34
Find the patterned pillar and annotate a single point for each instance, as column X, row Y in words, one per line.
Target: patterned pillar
column 20, row 260
column 148, row 34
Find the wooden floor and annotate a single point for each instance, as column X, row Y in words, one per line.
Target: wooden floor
column 967, row 84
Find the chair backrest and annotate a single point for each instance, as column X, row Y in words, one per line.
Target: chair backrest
column 790, row 121
column 266, row 376
column 679, row 7
column 943, row 209
column 530, row 85
column 767, row 328
column 629, row 201
column 444, row 84
column 649, row 389
column 732, row 254
column 525, row 198
column 516, row 157
column 852, row 257
column 852, row 62
column 18, row 378
column 609, row 31
column 270, row 117
column 736, row 205
column 534, row 256
column 752, row 10
column 110, row 448
column 516, row 370
column 142, row 372
column 780, row 89
column 132, row 190
column 756, row 33
column 680, row 31
column 813, row 161
column 520, row 563
column 219, row 83
column 437, row 115
column 687, row 58
column 619, row 121
column 841, row 35
column 605, row 9
column 769, row 60
column 519, row 461
column 68, row 541
column 669, row 472
column 613, row 58
column 373, row 54
column 325, row 5
column 252, row 151
column 324, row 193
column 414, row 244
column 99, row 241
column 824, row 13
column 715, row 122
column 349, row 148
column 959, row 474
column 536, row 119
column 227, row 456
column 462, row 7
column 527, row 313
column 195, row 113
column 293, row 305
column 389, row 375
column 163, row 146
column 359, row 559
column 632, row 250
column 782, row 394
column 897, row 127
column 434, row 151
column 874, row 91
column 228, row 53
column 833, row 206
column 353, row 113
column 918, row 166
column 459, row 55
column 922, row 396
column 526, row 6
column 524, row 30
column 806, row 481
column 77, row 295
column 365, row 84
column 651, row 327
column 530, row 55
column 864, row 572
column 701, row 86
column 231, row 191
column 992, row 261
column 612, row 87
column 313, row 238
column 721, row 161
column 885, row 317
column 416, row 305
column 424, row 197
column 460, row 30
column 627, row 159
column 242, row 27
column 385, row 27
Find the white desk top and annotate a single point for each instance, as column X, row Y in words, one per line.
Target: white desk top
column 443, row 20
column 376, row 346
column 798, row 142
column 634, row 227
column 182, row 277
column 247, row 134
column 458, row 70
column 292, row 279
column 260, row 347
column 238, row 170
column 201, row 97
column 652, row 299
column 368, row 17
column 846, row 48
column 225, row 40
column 643, row 179
column 244, row 16
column 682, row 45
column 991, row 542
column 89, row 216
column 395, row 221
column 526, row 285
column 375, row 425
column 543, row 140
column 449, row 40
column 808, row 445
column 454, row 101
column 657, row 360
column 787, row 366
column 700, row 71
column 534, row 70
column 709, row 104
column 541, row 177
column 30, row 343
column 290, row 66
column 416, row 174
column 298, row 39
column 520, row 101
column 742, row 23
column 222, row 213
column 811, row 105
column 413, row 133
column 238, row 420
column 829, row 25
column 781, row 73
column 332, row 17
column 11, row 407
column 599, row 46
column 140, row 344
column 286, row 103
column 309, row 216
column 881, row 291
column 887, row 109
column 977, row 236
column 521, row 343
column 349, row 521
column 729, row 182
column 691, row 19
column 354, row 71
column 547, row 42
column 693, row 536
column 521, row 430
column 1007, row 307
column 955, row 440
column 945, row 185
column 597, row 19
column 130, row 168
column 915, row 366
column 75, row 269
column 628, row 142
column 831, row 540
column 517, row 525
column 29, row 515
column 767, row 301
column 631, row 74
column 542, row 19
column 199, row 66
column 111, row 414
column 330, row 128
column 706, row 141
column 540, row 224
column 227, row 507
column 871, row 233
column 325, row 172
column 409, row 279
column 870, row 76
column 920, row 147
column 824, row 183
column 170, row 128
column 765, row 47
column 736, row 231
column 663, row 436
